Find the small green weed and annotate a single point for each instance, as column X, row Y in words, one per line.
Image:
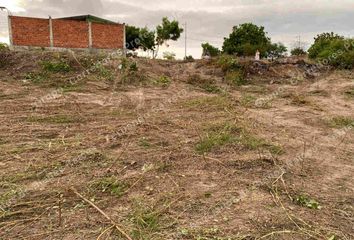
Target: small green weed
column 110, row 185
column 55, row 67
column 341, row 122
column 162, row 81
column 56, row 119
column 306, row 201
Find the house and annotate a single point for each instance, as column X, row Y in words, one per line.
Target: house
column 85, row 32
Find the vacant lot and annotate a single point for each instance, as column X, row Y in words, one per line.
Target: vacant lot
column 157, row 150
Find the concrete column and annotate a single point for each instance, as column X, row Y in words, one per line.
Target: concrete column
column 10, row 31
column 51, row 37
column 90, row 34
column 124, row 41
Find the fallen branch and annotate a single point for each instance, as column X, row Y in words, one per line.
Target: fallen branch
column 103, row 213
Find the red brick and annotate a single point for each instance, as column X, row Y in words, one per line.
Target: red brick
column 30, row 31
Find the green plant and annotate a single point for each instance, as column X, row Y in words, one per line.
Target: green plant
column 341, row 122
column 169, row 55
column 143, row 142
column 4, row 47
column 163, row 81
column 110, row 185
column 228, row 63
column 245, row 39
column 189, row 58
column 133, row 67
column 209, row 50
column 104, row 72
column 276, row 50
column 298, row 51
column 55, row 119
column 211, row 88
column 168, row 30
column 55, row 67
column 147, row 221
column 38, row 77
column 216, row 136
column 306, row 201
column 235, row 78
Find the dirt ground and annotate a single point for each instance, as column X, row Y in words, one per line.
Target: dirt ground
column 176, row 154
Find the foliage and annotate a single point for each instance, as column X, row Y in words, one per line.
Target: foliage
column 306, row 201
column 322, row 41
column 276, row 50
column 110, row 185
column 162, row 81
column 145, row 39
column 55, row 67
column 235, row 78
column 139, row 38
column 4, row 47
column 189, row 58
column 209, row 50
column 246, row 39
column 168, row 30
column 298, row 52
column 169, row 55
column 341, row 122
column 132, row 35
column 334, row 50
column 228, row 63
column 37, row 77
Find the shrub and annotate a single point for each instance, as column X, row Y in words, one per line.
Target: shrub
column 209, row 50
column 189, row 58
column 4, row 47
column 169, row 55
column 298, row 52
column 162, row 81
column 235, row 78
column 228, row 63
column 334, row 50
column 55, row 67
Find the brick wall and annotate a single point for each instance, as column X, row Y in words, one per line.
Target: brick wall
column 70, row 34
column 30, row 31
column 35, row 32
column 107, row 35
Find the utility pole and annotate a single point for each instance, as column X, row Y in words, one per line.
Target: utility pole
column 299, row 41
column 185, row 41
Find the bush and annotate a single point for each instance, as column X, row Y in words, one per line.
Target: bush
column 235, row 78
column 298, row 52
column 169, row 55
column 209, row 50
column 334, row 50
column 4, row 47
column 55, row 67
column 228, row 63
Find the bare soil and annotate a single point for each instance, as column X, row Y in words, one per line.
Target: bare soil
column 167, row 158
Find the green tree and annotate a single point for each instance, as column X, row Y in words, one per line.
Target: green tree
column 246, row 39
column 139, row 38
column 210, row 50
column 132, row 36
column 298, row 51
column 147, row 39
column 322, row 41
column 276, row 50
column 168, row 30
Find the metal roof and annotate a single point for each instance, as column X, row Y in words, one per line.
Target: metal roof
column 88, row 18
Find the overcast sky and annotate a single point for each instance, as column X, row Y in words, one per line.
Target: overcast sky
column 207, row 20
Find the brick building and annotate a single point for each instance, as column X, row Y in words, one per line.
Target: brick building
column 79, row 32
